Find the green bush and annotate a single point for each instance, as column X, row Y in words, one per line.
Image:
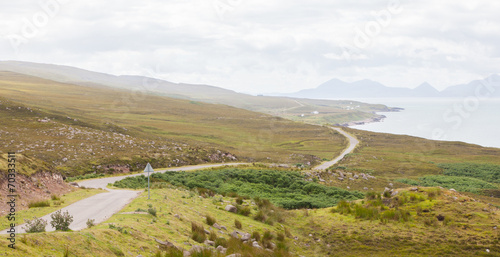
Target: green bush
column 486, row 172
column 210, row 220
column 287, row 189
column 55, row 198
column 37, row 204
column 221, row 241
column 198, row 233
column 61, row 221
column 237, row 224
column 35, row 225
column 90, row 223
column 464, row 184
column 256, row 235
column 152, row 211
column 245, row 211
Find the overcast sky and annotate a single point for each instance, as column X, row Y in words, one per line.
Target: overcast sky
column 260, row 46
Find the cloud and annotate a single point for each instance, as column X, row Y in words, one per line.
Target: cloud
column 262, row 46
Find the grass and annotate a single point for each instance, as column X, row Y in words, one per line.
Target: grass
column 65, row 200
column 110, row 136
column 39, row 204
column 347, row 235
column 463, row 184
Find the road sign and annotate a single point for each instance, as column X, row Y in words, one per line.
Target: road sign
column 148, row 169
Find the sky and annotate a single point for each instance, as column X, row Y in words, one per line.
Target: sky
column 260, row 46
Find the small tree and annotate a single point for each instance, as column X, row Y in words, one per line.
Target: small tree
column 35, row 225
column 61, row 221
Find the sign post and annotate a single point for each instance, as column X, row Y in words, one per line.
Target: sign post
column 148, row 169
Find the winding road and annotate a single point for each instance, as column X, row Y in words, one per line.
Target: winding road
column 353, row 142
column 102, row 206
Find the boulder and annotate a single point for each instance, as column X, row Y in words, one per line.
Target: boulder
column 165, row 245
column 235, row 234
column 256, row 245
column 217, row 226
column 246, row 237
column 231, row 208
column 210, row 243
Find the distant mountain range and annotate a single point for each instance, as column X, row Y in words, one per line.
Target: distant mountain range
column 338, row 89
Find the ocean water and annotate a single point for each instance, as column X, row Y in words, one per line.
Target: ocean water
column 470, row 120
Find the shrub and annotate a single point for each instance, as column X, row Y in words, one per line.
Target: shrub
column 343, row 207
column 221, row 241
column 387, row 194
column 61, row 221
column 239, row 200
column 35, row 225
column 237, row 224
column 37, row 204
column 260, row 216
column 152, row 211
column 90, row 223
column 245, row 211
column 212, row 236
column 280, row 237
column 198, row 233
column 210, row 220
column 256, row 235
column 55, row 197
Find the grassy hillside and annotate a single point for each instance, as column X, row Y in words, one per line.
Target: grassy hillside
column 329, row 111
column 422, row 222
column 116, row 127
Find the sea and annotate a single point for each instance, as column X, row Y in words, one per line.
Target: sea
column 471, row 120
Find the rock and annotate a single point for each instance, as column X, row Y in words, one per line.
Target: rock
column 321, row 180
column 256, row 245
column 74, row 184
column 223, row 227
column 348, row 187
column 186, row 254
column 231, row 208
column 210, row 243
column 356, row 176
column 365, row 188
column 235, row 234
column 394, row 193
column 390, row 184
column 217, row 226
column 221, row 249
column 386, row 189
column 234, row 255
column 246, row 237
column 453, row 190
column 341, row 178
column 207, row 232
column 165, row 245
column 351, row 179
column 414, row 189
column 177, row 216
column 196, row 248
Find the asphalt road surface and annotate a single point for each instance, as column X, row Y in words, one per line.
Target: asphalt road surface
column 353, row 142
column 102, row 206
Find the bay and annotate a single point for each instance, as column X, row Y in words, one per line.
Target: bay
column 470, row 120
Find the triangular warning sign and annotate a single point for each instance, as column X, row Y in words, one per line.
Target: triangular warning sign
column 148, row 168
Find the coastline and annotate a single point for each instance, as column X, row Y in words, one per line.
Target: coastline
column 377, row 118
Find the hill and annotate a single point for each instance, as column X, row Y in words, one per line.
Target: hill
column 305, row 110
column 67, row 125
column 335, row 88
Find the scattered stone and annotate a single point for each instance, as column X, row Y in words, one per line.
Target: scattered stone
column 221, row 249
column 231, row 208
column 256, row 245
column 235, row 234
column 164, row 245
column 348, row 187
column 246, row 237
column 196, row 249
column 356, row 176
column 390, row 184
column 210, row 243
column 453, row 190
column 177, row 216
column 74, row 184
column 223, row 227
column 394, row 193
column 186, row 254
column 341, row 178
column 365, row 188
column 217, row 226
column 414, row 189
column 207, row 232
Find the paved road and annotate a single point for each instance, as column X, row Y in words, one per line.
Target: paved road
column 102, row 206
column 353, row 142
